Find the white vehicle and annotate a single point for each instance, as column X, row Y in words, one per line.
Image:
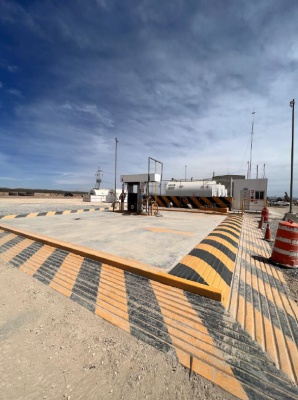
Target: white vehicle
column 282, row 204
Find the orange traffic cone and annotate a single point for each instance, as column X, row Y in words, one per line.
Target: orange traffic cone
column 261, row 223
column 285, row 248
column 268, row 236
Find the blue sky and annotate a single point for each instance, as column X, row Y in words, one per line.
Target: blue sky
column 173, row 80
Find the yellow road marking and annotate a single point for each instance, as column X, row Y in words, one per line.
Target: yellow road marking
column 36, row 260
column 31, row 215
column 216, row 252
column 7, row 238
column 222, row 228
column 9, row 216
column 111, row 305
column 224, row 242
column 15, row 250
column 191, row 341
column 226, row 234
column 164, row 230
column 66, row 275
column 210, row 276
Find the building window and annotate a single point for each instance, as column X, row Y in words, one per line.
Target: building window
column 260, row 195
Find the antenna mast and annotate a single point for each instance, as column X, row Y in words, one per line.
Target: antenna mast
column 252, row 134
column 98, row 178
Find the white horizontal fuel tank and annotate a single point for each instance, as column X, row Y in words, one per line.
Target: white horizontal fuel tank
column 195, row 188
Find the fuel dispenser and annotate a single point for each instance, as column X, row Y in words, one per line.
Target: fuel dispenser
column 134, row 197
column 137, row 188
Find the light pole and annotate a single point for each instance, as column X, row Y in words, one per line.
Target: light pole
column 185, row 172
column 116, row 143
column 252, row 134
column 292, row 104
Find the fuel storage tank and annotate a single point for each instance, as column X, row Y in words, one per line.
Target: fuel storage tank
column 195, row 188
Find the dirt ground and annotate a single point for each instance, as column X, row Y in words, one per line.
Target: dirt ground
column 52, row 348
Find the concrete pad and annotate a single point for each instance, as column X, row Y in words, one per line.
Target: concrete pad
column 159, row 241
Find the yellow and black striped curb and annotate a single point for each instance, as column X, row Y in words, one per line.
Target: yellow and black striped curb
column 136, row 267
column 193, row 329
column 212, row 261
column 220, row 204
column 49, row 213
column 262, row 303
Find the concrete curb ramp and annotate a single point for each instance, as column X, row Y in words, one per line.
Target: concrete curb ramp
column 146, row 270
column 261, row 302
column 48, row 213
column 254, row 291
column 212, row 261
column 183, row 324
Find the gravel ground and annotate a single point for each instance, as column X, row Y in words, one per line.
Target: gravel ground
column 290, row 274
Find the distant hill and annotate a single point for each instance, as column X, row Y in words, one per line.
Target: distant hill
column 5, row 189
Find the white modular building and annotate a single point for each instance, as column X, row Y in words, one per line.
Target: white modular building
column 102, row 195
column 250, row 194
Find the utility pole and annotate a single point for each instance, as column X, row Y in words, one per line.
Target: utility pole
column 252, row 133
column 116, row 143
column 292, row 104
column 290, row 215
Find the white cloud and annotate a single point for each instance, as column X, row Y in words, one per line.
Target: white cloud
column 9, row 178
column 12, row 68
column 15, row 92
column 176, row 82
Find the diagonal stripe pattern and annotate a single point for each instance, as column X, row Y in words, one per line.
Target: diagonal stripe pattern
column 212, row 261
column 260, row 301
column 48, row 213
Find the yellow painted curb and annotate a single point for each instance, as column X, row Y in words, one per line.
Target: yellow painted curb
column 135, row 267
column 194, row 210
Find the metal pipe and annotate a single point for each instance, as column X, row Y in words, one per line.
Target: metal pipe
column 153, row 159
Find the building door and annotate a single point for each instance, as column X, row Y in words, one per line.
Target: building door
column 245, row 199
